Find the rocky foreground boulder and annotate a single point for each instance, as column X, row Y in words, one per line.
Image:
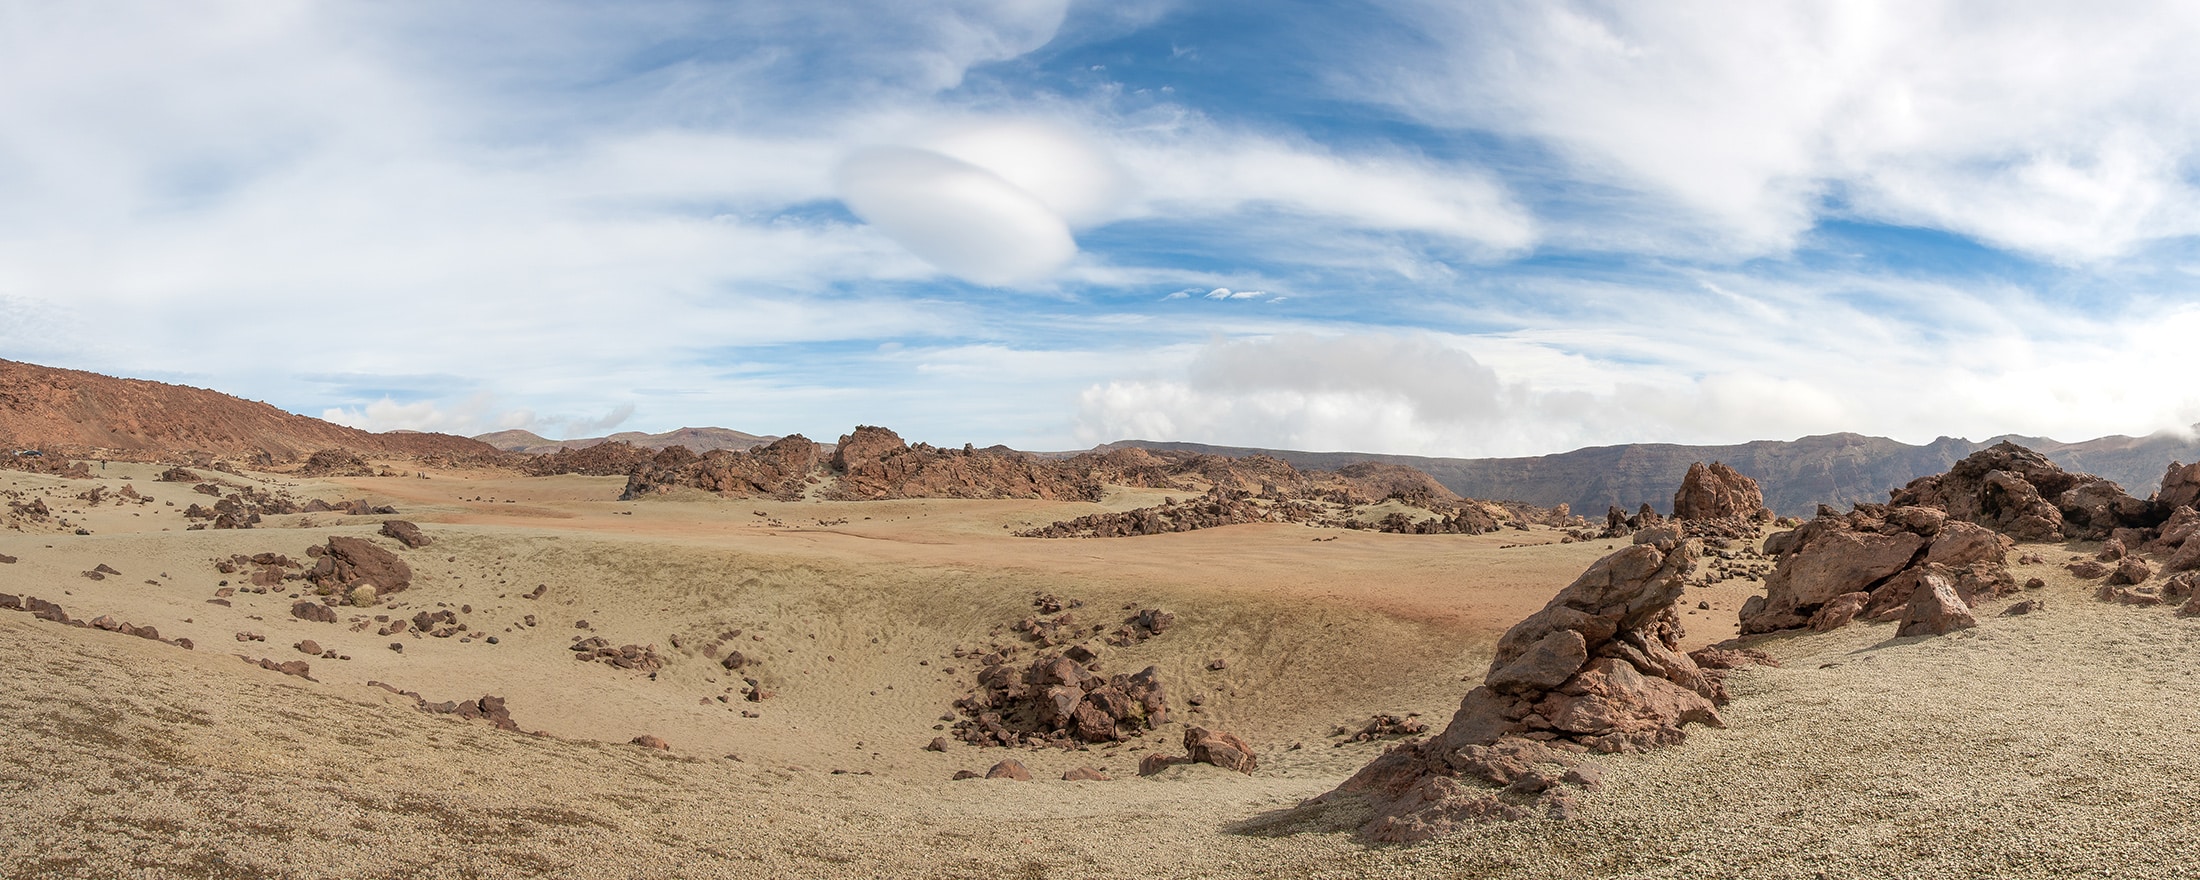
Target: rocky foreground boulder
column 1599, row 669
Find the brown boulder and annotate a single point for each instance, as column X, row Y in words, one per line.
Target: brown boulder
column 1220, row 749
column 1716, row 491
column 652, row 741
column 1838, row 612
column 2131, row 570
column 405, row 533
column 1084, row 774
column 1155, row 762
column 2180, row 486
column 1009, row 769
column 309, row 610
column 1827, row 559
column 348, row 562
column 2089, row 569
column 1935, row 609
column 308, row 646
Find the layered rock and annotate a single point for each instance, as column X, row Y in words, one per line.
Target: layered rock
column 1598, row 669
column 1870, row 563
column 1715, row 491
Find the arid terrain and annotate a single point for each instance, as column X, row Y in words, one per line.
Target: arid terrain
column 2029, row 746
column 877, row 658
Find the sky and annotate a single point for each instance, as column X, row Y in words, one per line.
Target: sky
column 1411, row 227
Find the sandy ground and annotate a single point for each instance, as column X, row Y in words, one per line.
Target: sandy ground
column 2045, row 745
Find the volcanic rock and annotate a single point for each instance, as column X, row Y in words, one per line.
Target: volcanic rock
column 2180, row 486
column 1220, row 749
column 1876, row 550
column 2020, row 493
column 1009, row 768
column 1935, row 608
column 406, row 533
column 346, row 562
column 1631, row 689
column 309, row 610
column 2130, row 570
column 1716, row 491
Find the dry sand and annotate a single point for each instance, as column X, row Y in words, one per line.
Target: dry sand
column 2037, row 746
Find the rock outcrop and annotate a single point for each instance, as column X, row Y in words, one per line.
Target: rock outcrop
column 1598, row 669
column 2020, row 493
column 1715, row 491
column 345, row 563
column 1870, row 563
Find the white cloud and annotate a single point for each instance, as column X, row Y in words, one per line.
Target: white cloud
column 1193, row 168
column 1688, row 371
column 955, row 215
column 2056, row 130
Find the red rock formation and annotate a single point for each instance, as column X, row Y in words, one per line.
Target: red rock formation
column 2020, row 493
column 1599, row 667
column 1716, row 491
column 1878, row 551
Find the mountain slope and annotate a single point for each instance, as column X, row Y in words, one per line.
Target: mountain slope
column 82, row 413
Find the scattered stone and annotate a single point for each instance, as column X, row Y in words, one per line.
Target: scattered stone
column 1217, row 665
column 938, row 744
column 1009, row 769
column 310, row 610
column 2025, row 607
column 308, row 646
column 650, row 741
column 1084, row 774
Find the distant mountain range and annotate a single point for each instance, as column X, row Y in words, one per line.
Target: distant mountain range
column 1796, row 475
column 87, row 414
column 695, row 439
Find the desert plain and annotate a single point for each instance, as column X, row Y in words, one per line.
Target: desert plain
column 2049, row 744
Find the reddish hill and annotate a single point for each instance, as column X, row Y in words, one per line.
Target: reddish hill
column 86, row 414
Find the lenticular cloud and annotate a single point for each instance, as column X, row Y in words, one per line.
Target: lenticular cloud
column 992, row 205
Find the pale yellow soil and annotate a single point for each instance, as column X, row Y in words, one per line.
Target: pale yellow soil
column 2046, row 745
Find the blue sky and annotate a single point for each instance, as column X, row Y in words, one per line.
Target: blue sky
column 1434, row 228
